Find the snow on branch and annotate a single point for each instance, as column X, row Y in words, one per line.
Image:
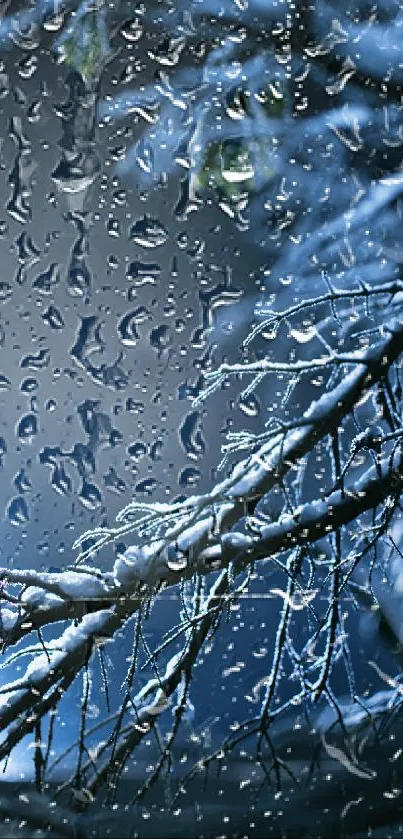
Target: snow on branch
column 313, row 520
column 252, row 478
column 270, row 319
column 175, row 537
column 218, row 531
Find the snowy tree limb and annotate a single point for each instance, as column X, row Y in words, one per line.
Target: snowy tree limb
column 57, row 597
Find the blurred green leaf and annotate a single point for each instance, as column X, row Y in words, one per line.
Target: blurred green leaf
column 241, row 166
column 85, row 45
column 237, row 167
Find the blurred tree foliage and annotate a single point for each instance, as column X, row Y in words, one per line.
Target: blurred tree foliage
column 84, row 43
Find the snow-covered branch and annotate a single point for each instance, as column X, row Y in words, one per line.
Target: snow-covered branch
column 102, row 603
column 203, row 520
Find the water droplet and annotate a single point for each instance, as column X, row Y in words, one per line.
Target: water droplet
column 113, row 482
column 161, row 338
column 53, row 24
column 34, row 111
column 36, row 362
column 189, row 477
column 88, row 341
column 60, row 480
column 113, row 262
column 28, row 252
column 90, row 496
column 4, row 82
column 29, row 385
column 53, row 318
column 176, row 561
column 191, row 436
column 127, row 330
column 27, row 428
column 156, row 450
column 22, row 482
column 20, row 176
column 5, row 383
column 75, row 181
column 168, row 51
column 79, row 281
column 3, row 450
column 148, row 233
column 118, row 153
column 113, row 227
column 143, row 273
column 134, row 406
column 147, row 486
column 137, row 450
column 120, row 196
column 6, row 291
column 132, row 30
column 27, row 66
column 180, row 325
column 249, row 405
column 221, row 294
column 46, row 282
column 17, row 511
column 144, row 156
column 24, row 33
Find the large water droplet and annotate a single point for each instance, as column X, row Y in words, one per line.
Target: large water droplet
column 54, row 23
column 27, row 66
column 36, row 362
column 132, row 30
column 53, row 318
column 191, row 436
column 148, row 233
column 79, row 281
column 46, row 282
column 27, row 428
column 168, row 51
column 249, row 405
column 22, row 482
column 137, row 450
column 29, row 385
column 17, row 511
column 143, row 273
column 189, row 477
column 113, row 227
column 90, row 496
column 28, row 252
column 113, row 482
column 127, row 330
column 146, row 487
column 156, row 450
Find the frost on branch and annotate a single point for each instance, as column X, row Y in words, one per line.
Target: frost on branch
column 210, row 546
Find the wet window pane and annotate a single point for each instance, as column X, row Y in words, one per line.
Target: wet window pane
column 201, row 312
